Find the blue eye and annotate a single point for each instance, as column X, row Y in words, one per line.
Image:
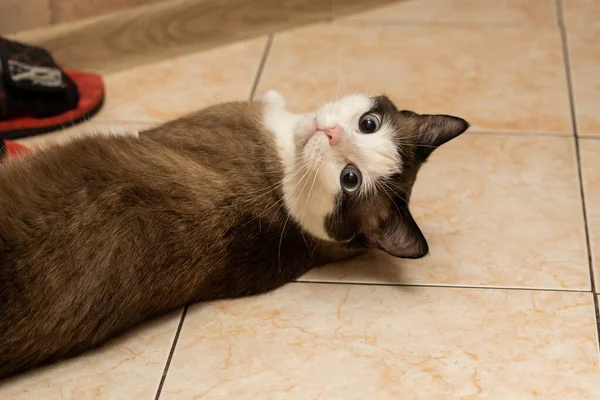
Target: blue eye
column 369, row 123
column 350, row 179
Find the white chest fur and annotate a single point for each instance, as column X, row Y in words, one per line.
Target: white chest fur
column 308, row 199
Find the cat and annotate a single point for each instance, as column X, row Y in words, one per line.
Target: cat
column 102, row 233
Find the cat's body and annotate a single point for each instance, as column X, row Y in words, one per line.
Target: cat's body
column 103, row 233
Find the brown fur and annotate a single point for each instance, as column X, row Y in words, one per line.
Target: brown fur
column 103, row 233
column 100, row 234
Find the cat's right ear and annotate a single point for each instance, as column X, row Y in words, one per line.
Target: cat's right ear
column 401, row 237
column 433, row 130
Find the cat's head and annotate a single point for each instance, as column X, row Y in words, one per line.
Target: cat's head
column 349, row 168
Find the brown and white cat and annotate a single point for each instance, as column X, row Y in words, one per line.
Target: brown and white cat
column 104, row 232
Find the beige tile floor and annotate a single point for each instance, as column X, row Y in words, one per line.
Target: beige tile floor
column 504, row 308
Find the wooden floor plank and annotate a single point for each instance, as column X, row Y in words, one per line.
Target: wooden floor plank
column 149, row 33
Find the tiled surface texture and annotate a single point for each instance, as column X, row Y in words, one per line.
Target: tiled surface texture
column 585, row 59
column 582, row 14
column 590, row 165
column 464, row 11
column 501, row 206
column 488, row 205
column 357, row 342
column 171, row 88
column 129, row 367
column 498, row 78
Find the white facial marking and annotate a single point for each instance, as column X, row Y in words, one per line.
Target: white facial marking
column 316, row 147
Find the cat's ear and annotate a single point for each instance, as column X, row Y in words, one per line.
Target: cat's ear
column 435, row 130
column 401, row 237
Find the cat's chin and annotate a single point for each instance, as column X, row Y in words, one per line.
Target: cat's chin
column 316, row 146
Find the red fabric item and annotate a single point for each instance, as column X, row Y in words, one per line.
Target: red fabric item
column 12, row 150
column 91, row 92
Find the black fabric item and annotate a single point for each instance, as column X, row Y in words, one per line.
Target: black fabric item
column 32, row 84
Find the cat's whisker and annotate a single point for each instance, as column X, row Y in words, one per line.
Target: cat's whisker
column 416, row 145
column 281, row 242
column 273, row 187
column 314, row 85
column 337, row 93
column 308, row 198
column 298, row 169
column 386, row 185
column 418, row 136
column 287, row 220
column 311, row 188
column 388, row 195
column 280, row 201
column 301, row 216
column 339, row 80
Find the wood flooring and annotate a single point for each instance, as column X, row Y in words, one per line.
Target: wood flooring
column 158, row 31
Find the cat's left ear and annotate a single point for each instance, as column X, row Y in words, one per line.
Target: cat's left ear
column 435, row 130
column 401, row 237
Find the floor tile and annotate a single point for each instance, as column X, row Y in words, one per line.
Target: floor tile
column 590, row 165
column 309, row 341
column 171, row 88
column 581, row 14
column 497, row 78
column 585, row 58
column 90, row 127
column 130, row 367
column 497, row 210
column 465, row 11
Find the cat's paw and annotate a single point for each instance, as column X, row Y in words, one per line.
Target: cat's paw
column 274, row 99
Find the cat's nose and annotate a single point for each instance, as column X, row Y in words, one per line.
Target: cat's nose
column 335, row 134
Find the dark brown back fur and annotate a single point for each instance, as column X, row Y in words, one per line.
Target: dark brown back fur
column 100, row 234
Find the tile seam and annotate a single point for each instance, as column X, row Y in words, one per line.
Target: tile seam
column 568, row 74
column 261, row 65
column 171, row 353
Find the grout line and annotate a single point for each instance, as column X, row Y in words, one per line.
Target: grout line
column 587, row 136
column 171, row 352
column 261, row 65
column 424, row 285
column 567, row 58
column 567, row 65
column 567, row 61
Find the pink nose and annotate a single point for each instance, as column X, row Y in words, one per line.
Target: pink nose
column 335, row 134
